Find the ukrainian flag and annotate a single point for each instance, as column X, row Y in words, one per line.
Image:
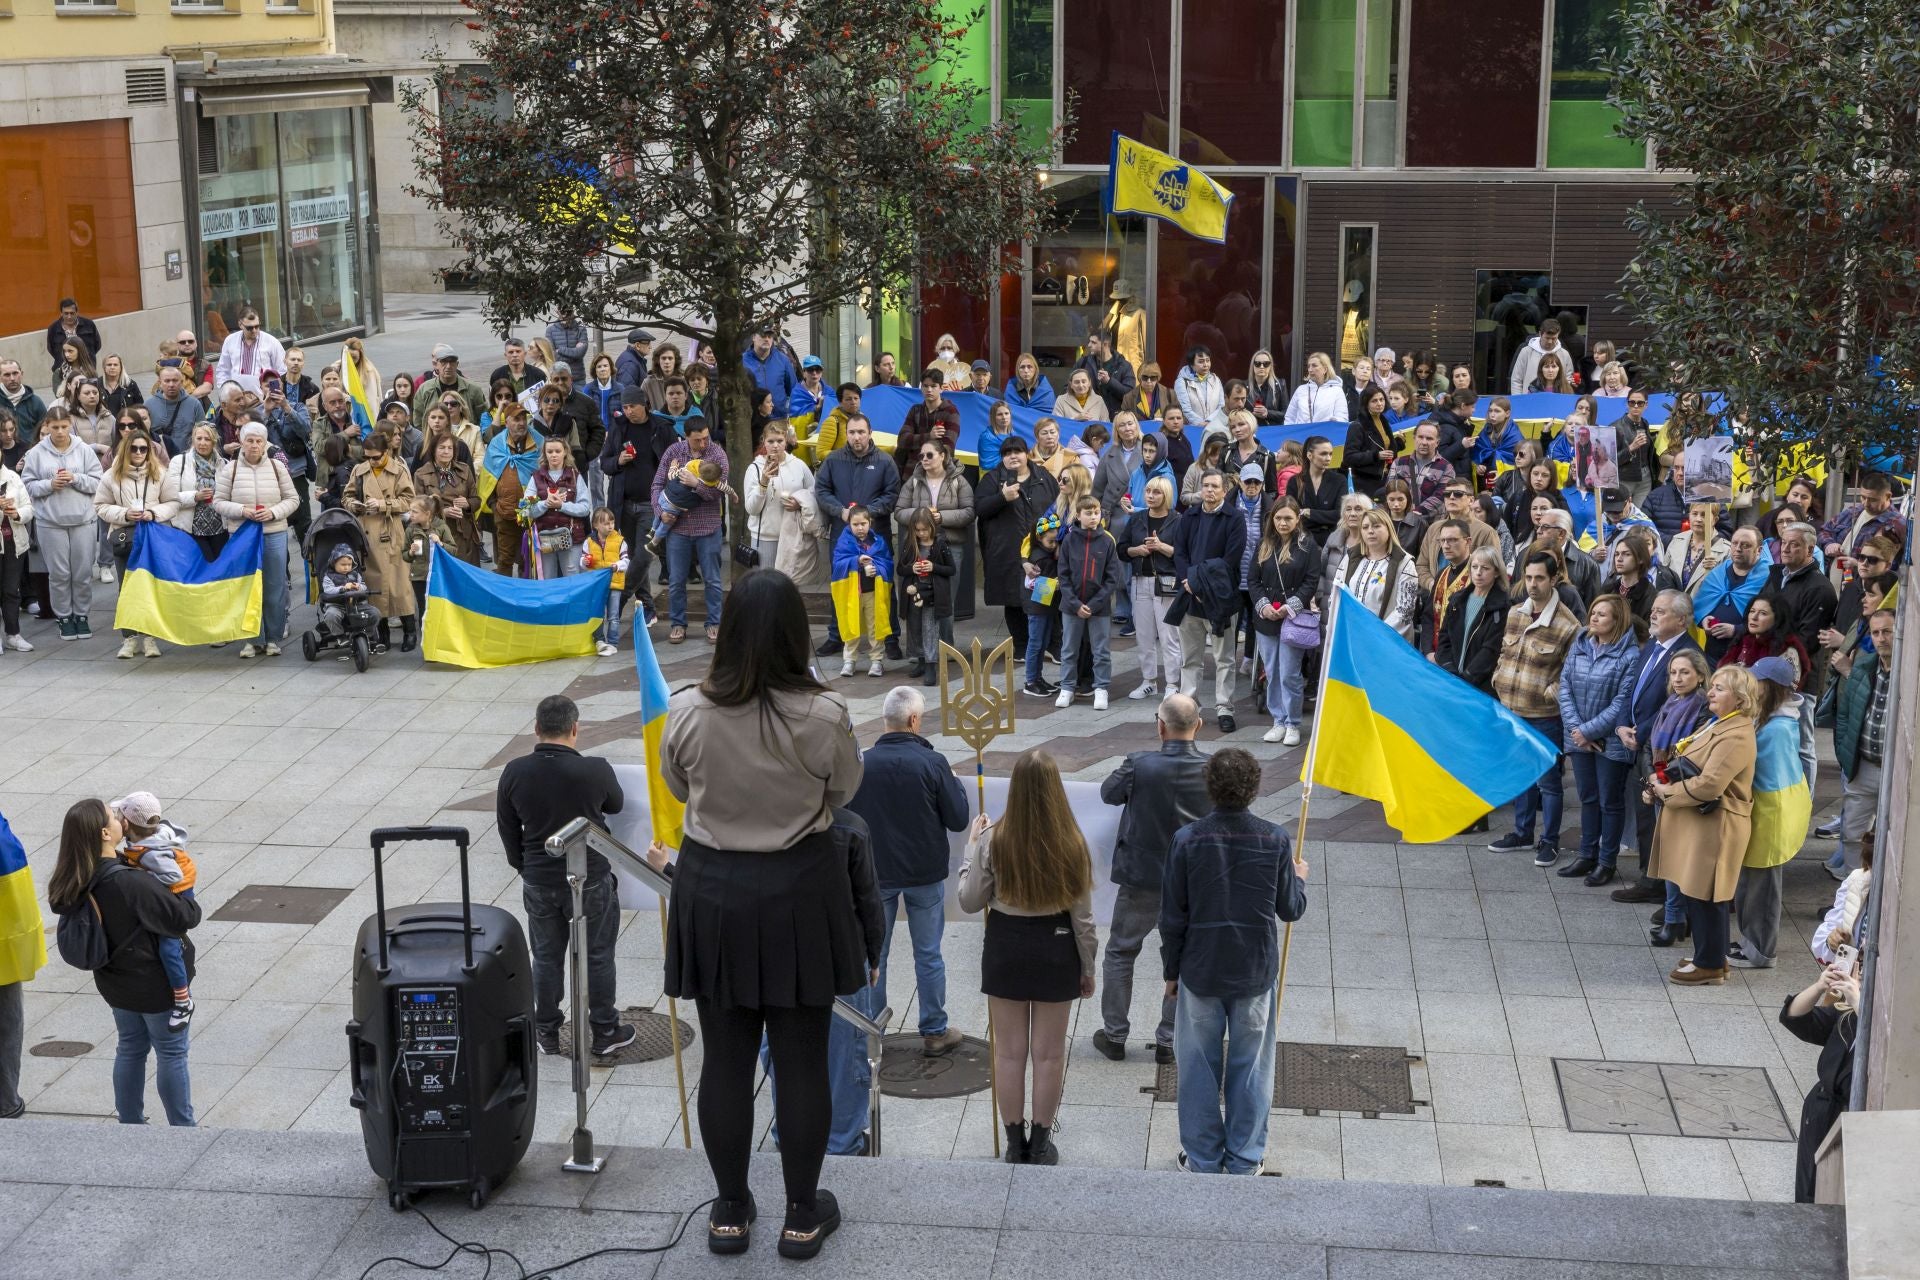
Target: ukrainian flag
column 1144, row 181
column 172, row 591
column 356, row 391
column 1432, row 749
column 23, row 937
column 480, row 619
column 667, row 812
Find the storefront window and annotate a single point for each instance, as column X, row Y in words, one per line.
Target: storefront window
column 323, row 222
column 1509, row 308
column 1209, row 294
column 1580, row 122
column 240, row 224
column 1233, row 82
column 1481, row 121
column 1026, row 66
column 1078, row 274
column 67, row 227
column 1323, row 83
column 1357, row 279
column 1115, row 57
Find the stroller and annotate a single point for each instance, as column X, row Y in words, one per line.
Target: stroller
column 345, row 621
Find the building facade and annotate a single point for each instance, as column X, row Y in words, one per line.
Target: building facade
column 168, row 163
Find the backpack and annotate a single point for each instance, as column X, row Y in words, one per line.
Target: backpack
column 82, row 934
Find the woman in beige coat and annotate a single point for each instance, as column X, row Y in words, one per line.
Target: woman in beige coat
column 1700, row 853
column 379, row 492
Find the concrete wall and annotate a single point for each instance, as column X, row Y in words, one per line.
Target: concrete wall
column 95, row 89
column 412, row 249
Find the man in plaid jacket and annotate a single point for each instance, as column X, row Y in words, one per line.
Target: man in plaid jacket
column 1540, row 630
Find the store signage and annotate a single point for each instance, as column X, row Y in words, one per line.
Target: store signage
column 301, row 237
column 319, row 211
column 243, row 220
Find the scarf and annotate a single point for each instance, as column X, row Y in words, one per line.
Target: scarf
column 1676, row 721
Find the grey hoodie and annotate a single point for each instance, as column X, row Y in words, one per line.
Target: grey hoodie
column 67, row 508
column 154, row 854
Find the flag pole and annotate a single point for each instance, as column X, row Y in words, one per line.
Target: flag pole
column 1306, row 791
column 673, row 1029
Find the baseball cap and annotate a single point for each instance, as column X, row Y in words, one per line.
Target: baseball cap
column 139, row 807
column 1614, row 500
column 442, row 351
column 1252, row 471
column 1778, row 670
column 811, row 362
column 981, row 366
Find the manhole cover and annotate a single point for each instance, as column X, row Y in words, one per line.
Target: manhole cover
column 1364, row 1078
column 906, row 1072
column 651, row 1039
column 1672, row 1099
column 280, row 904
column 61, row 1049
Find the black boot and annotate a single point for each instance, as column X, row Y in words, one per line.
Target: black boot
column 1665, row 935
column 385, row 640
column 1578, row 867
column 1040, row 1148
column 409, row 633
column 1017, row 1143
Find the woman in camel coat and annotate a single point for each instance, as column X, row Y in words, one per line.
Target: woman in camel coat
column 1701, row 853
column 378, row 493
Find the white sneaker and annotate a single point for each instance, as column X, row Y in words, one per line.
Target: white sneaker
column 150, row 646
column 1144, row 691
column 846, row 668
column 1293, row 737
column 247, row 650
column 1274, row 734
column 272, row 650
column 106, row 573
column 1066, row 696
column 130, row 647
column 1246, row 666
column 876, row 668
column 1099, row 699
column 605, row 650
column 19, row 644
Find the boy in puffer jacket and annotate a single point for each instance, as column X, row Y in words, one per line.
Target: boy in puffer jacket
column 158, row 847
column 1089, row 567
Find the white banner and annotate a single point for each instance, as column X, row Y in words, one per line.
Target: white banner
column 319, row 211
column 241, row 220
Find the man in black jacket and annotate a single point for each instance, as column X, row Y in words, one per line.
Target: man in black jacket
column 540, row 793
column 1206, row 547
column 911, row 800
column 1112, row 373
column 1163, row 791
column 1809, row 598
column 628, row 459
column 1229, row 884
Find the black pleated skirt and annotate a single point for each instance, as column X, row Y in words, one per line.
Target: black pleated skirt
column 764, row 930
column 1030, row 958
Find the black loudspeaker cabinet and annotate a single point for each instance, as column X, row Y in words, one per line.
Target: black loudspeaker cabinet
column 442, row 1045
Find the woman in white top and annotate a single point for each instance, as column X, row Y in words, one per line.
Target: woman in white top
column 1032, row 873
column 193, row 474
column 1079, row 403
column 134, row 490
column 1321, row 398
column 1381, row 575
column 1613, row 381
column 783, row 517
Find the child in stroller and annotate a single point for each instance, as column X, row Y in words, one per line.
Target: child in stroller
column 346, row 620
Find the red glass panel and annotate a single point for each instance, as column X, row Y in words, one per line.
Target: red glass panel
column 68, row 230
column 1473, row 84
column 1115, row 54
column 1209, row 294
column 1233, row 82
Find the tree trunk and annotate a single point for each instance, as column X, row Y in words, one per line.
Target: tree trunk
column 735, row 394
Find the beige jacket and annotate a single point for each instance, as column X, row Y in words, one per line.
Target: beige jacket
column 240, row 486
column 758, row 781
column 115, row 499
column 975, row 890
column 13, row 489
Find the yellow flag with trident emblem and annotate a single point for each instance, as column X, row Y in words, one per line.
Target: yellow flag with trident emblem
column 1152, row 183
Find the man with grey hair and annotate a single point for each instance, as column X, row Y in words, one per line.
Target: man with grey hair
column 1555, row 533
column 1162, row 790
column 1808, row 598
column 910, row 801
column 1640, row 701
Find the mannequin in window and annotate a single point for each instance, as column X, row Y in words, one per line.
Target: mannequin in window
column 1127, row 322
column 1354, row 326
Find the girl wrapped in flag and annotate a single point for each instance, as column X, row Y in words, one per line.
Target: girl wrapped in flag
column 862, row 590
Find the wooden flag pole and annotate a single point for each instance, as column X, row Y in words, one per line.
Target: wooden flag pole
column 1306, row 793
column 673, row 1029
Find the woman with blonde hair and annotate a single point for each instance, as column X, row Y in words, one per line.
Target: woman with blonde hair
column 1048, row 453
column 1032, row 873
column 1148, row 546
column 356, row 350
column 1149, row 398
column 135, row 489
column 1381, row 575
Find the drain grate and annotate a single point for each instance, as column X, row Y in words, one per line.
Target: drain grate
column 906, row 1072
column 1367, row 1079
column 652, row 1040
column 280, row 904
column 1671, row 1099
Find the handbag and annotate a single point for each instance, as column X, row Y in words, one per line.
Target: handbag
column 120, row 542
column 1165, row 586
column 1679, row 769
column 1301, row 631
column 746, row 555
column 555, row 540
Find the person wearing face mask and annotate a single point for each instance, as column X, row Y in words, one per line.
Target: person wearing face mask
column 946, row 359
column 255, row 486
column 379, row 492
column 62, row 473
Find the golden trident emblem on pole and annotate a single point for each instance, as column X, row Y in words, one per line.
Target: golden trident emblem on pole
column 977, row 713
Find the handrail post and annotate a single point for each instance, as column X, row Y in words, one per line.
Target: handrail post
column 583, row 1160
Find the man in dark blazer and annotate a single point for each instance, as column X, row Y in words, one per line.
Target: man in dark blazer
column 1162, row 790
column 1639, row 702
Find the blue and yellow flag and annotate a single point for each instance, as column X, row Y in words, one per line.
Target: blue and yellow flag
column 845, row 586
column 175, row 593
column 1432, row 749
column 479, row 619
column 356, row 391
column 667, row 812
column 1157, row 185
column 23, row 936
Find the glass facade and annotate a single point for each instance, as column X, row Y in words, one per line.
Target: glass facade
column 283, row 208
column 1209, row 294
column 1074, row 272
column 67, row 228
column 1233, row 82
column 1324, row 35
column 1479, row 121
column 1586, row 34
column 1114, row 56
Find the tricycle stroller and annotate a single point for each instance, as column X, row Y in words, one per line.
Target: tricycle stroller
column 346, row 620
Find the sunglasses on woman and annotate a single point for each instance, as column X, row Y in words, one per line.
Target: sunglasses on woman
column 1149, row 377
column 136, row 448
column 1263, row 364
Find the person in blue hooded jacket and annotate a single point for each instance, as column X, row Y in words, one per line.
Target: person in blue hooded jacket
column 1028, row 388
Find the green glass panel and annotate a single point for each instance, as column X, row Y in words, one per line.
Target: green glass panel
column 1324, row 32
column 1580, row 136
column 1322, row 133
column 973, row 59
column 1026, row 89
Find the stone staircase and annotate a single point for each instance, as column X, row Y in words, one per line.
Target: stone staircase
column 81, row 1200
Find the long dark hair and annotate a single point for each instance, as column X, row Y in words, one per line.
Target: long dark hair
column 79, row 854
column 763, row 646
column 1040, row 858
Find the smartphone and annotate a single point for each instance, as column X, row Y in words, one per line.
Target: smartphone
column 1846, row 958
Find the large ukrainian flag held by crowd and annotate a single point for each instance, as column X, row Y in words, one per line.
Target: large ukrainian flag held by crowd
column 667, row 813
column 1157, row 185
column 480, row 619
column 1432, row 749
column 175, row 593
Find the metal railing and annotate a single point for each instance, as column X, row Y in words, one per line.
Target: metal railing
column 573, row 842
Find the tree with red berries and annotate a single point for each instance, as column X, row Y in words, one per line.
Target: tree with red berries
column 1788, row 275
column 709, row 166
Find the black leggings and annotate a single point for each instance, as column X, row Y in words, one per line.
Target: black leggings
column 803, row 1104
column 1017, row 628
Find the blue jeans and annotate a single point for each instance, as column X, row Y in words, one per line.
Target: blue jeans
column 1603, row 803
column 926, row 919
column 1286, row 690
column 1040, row 629
column 1096, row 629
column 173, row 955
column 273, row 589
column 1238, row 1142
column 610, row 619
column 848, row 1075
column 681, row 549
column 1123, row 598
column 140, row 1032
column 1543, row 797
